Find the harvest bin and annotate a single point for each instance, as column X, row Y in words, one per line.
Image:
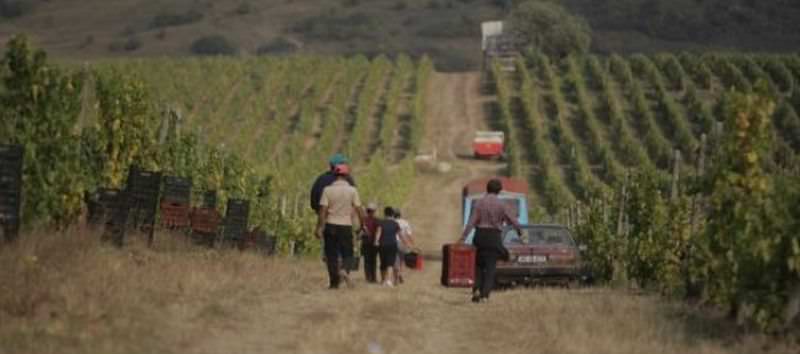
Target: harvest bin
column 11, row 157
column 458, row 265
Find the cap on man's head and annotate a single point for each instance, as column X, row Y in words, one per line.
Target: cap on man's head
column 341, row 170
column 372, row 206
column 337, row 159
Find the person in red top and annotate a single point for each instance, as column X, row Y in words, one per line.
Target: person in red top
column 488, row 218
column 368, row 249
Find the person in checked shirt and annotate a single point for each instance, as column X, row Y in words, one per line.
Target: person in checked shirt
column 488, row 218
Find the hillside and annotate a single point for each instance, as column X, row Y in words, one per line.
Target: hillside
column 447, row 30
column 94, row 28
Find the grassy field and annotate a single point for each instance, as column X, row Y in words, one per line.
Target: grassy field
column 67, row 293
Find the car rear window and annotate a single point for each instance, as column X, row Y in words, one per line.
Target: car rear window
column 539, row 236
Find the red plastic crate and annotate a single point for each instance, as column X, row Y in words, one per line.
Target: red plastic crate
column 458, row 265
column 205, row 220
column 175, row 215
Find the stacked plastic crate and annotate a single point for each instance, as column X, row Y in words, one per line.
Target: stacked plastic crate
column 11, row 159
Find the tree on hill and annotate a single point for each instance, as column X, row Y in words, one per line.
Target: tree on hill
column 550, row 28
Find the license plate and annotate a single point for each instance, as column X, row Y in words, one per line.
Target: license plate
column 532, row 259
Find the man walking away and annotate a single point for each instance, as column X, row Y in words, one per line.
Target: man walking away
column 386, row 241
column 487, row 218
column 327, row 179
column 338, row 203
column 368, row 249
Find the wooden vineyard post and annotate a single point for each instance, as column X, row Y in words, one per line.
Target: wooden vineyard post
column 701, row 165
column 296, row 208
column 623, row 195
column 569, row 216
column 701, row 157
column 676, row 170
column 162, row 134
column 716, row 141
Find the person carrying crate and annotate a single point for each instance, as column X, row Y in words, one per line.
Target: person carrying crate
column 386, row 242
column 405, row 243
column 489, row 215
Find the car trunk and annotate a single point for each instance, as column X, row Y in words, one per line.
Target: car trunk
column 540, row 256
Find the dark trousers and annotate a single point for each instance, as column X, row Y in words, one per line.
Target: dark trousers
column 370, row 254
column 489, row 249
column 338, row 243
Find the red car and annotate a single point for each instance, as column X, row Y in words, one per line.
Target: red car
column 544, row 254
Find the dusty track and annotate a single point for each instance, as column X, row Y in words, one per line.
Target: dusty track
column 454, row 113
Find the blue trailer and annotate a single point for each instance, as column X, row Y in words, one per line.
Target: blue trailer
column 514, row 194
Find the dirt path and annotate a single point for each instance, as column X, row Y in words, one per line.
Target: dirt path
column 454, row 112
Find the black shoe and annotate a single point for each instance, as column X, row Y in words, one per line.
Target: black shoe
column 476, row 298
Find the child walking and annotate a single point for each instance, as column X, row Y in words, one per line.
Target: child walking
column 386, row 241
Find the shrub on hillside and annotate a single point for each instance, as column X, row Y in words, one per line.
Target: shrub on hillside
column 463, row 27
column 333, row 27
column 548, row 27
column 175, row 19
column 15, row 8
column 277, row 46
column 244, row 8
column 213, row 45
column 350, row 3
column 129, row 45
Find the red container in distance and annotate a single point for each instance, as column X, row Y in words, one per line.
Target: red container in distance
column 458, row 265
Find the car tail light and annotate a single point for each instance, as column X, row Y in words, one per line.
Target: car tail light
column 562, row 257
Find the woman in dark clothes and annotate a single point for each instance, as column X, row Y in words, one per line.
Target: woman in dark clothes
column 488, row 218
column 386, row 241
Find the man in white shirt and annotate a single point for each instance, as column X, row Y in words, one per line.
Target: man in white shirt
column 338, row 203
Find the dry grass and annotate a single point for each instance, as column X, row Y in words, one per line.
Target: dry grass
column 67, row 293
